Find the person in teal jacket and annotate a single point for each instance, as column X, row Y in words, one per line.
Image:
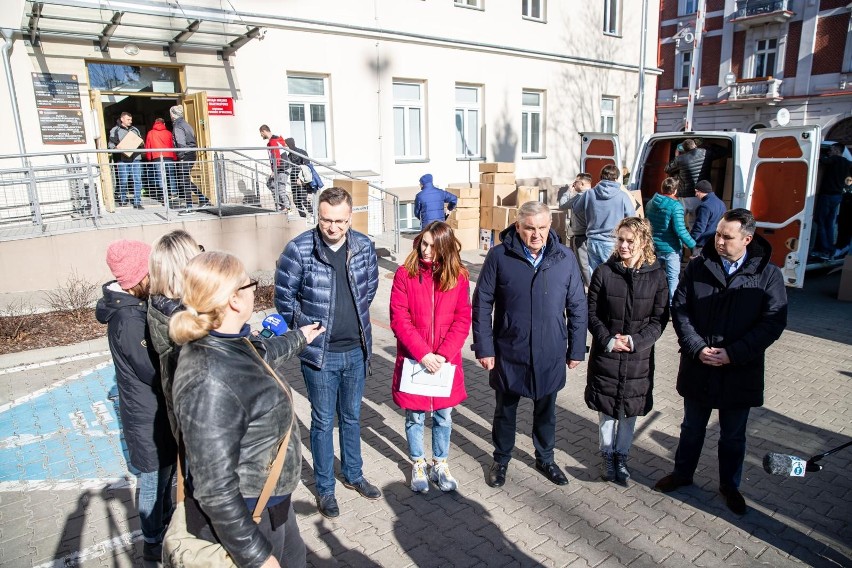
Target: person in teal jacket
column 670, row 235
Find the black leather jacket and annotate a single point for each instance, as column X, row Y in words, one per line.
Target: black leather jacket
column 232, row 415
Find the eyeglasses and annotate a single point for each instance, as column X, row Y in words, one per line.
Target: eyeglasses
column 251, row 285
column 330, row 222
column 201, row 248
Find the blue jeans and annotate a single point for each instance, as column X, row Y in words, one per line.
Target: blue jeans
column 616, row 435
column 826, row 219
column 338, row 386
column 126, row 170
column 442, row 427
column 732, row 442
column 671, row 262
column 600, row 249
column 155, row 502
column 167, row 182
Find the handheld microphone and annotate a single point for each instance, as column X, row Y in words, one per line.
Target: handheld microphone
column 275, row 323
column 781, row 464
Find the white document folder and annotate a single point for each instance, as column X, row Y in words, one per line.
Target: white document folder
column 416, row 379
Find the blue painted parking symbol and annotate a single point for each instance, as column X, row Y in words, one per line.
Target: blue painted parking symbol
column 69, row 431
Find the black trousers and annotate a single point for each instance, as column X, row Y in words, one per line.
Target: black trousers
column 505, row 425
column 186, row 188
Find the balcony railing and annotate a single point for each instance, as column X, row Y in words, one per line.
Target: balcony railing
column 761, row 89
column 762, row 11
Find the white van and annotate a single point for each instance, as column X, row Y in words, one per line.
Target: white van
column 771, row 173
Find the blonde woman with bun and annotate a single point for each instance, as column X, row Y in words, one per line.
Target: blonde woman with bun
column 232, row 413
column 169, row 256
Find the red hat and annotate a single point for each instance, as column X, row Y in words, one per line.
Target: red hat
column 128, row 262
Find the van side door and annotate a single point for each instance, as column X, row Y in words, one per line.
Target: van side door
column 781, row 191
column 599, row 149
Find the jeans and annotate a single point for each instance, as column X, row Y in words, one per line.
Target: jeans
column 826, row 218
column 616, row 435
column 581, row 249
column 600, row 249
column 338, row 386
column 671, row 262
column 442, row 427
column 155, row 502
column 732, row 442
column 166, row 177
column 286, row 540
column 505, row 422
column 126, row 170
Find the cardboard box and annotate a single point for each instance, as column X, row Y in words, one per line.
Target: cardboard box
column 466, row 213
column 526, row 193
column 496, row 194
column 502, row 217
column 636, row 195
column 464, row 202
column 497, row 167
column 464, row 191
column 498, row 178
column 463, row 223
column 558, row 222
column 485, row 217
column 358, row 189
column 469, row 238
column 487, row 239
column 845, row 291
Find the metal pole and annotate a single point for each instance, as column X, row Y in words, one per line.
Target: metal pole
column 641, row 96
column 13, row 96
column 695, row 64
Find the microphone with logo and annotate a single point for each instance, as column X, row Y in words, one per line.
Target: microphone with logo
column 273, row 325
column 793, row 466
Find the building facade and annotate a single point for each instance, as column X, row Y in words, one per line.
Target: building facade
column 758, row 57
column 385, row 89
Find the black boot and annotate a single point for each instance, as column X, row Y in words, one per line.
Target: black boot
column 607, row 467
column 622, row 474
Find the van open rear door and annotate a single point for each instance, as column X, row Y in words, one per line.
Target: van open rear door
column 599, row 149
column 780, row 194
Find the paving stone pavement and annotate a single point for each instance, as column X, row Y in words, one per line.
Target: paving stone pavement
column 67, row 498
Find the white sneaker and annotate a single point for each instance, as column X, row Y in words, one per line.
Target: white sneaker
column 419, row 481
column 441, row 476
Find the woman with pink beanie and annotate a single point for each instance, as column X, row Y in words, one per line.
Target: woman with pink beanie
column 144, row 423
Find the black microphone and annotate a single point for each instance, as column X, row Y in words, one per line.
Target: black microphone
column 782, row 464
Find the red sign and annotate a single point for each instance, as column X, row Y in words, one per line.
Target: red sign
column 220, row 106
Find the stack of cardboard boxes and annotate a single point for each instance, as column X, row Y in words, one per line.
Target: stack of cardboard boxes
column 360, row 192
column 464, row 219
column 499, row 195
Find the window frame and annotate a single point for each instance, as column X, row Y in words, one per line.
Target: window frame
column 682, row 69
column 306, row 101
column 613, row 20
column 465, row 108
column 470, row 4
column 758, row 52
column 407, row 105
column 527, row 131
column 606, row 115
column 683, row 10
column 526, row 6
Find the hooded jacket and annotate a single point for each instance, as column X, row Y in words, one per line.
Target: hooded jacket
column 632, row 302
column 429, row 202
column 539, row 316
column 745, row 313
column 669, row 229
column 141, row 405
column 305, row 288
column 160, row 312
column 184, row 137
column 603, row 207
column 232, row 416
column 160, row 137
column 427, row 320
column 277, row 146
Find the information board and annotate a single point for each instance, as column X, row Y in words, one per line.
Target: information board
column 60, row 113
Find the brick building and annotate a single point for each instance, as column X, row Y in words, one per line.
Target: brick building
column 792, row 54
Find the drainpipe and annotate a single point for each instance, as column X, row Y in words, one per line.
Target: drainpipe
column 6, row 33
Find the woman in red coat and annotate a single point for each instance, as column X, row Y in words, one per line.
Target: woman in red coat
column 430, row 316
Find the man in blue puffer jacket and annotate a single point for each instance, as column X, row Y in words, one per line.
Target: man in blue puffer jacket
column 330, row 274
column 429, row 202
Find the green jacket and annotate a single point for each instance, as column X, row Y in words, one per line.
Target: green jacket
column 666, row 217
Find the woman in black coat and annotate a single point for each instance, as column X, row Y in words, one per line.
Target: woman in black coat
column 628, row 310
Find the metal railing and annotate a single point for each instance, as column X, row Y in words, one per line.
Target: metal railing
column 749, row 8
column 48, row 189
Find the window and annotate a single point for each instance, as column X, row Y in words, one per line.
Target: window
column 531, row 124
column 309, row 123
column 612, row 16
column 467, row 120
column 133, row 78
column 532, row 9
column 608, row 114
column 408, row 120
column 682, row 71
column 408, row 221
column 765, row 51
column 469, row 3
column 686, row 7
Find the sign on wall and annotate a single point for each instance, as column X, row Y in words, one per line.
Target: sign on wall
column 60, row 115
column 220, row 106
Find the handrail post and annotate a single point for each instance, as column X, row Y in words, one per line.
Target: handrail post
column 92, row 195
column 32, row 194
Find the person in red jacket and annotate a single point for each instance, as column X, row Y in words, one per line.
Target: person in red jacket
column 157, row 142
column 430, row 315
